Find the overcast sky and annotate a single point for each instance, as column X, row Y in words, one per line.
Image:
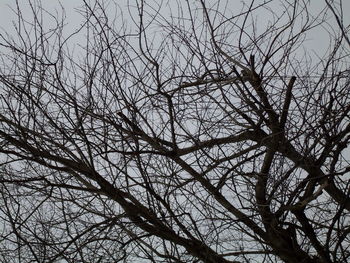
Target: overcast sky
column 316, row 43
column 318, row 38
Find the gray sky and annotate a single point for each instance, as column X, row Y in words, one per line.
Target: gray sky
column 6, row 16
column 317, row 39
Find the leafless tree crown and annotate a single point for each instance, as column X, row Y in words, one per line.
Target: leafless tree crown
column 180, row 131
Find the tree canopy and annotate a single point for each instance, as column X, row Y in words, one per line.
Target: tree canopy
column 180, row 131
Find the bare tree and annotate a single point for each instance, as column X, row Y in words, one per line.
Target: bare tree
column 175, row 132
